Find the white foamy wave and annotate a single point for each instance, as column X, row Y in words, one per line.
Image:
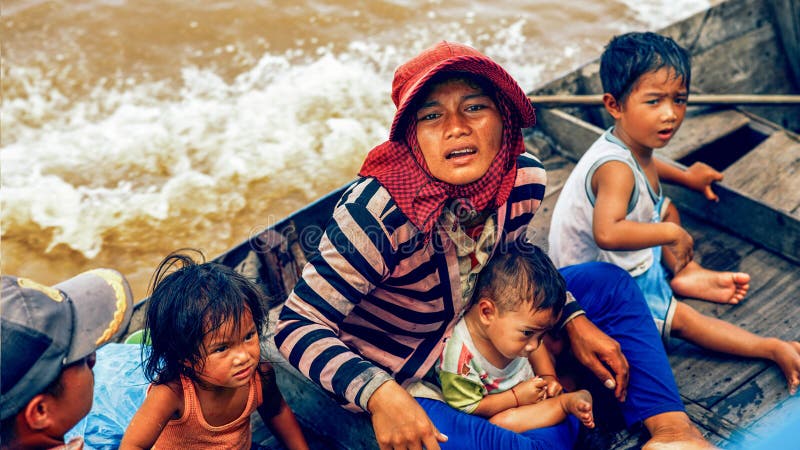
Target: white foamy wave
column 146, row 163
column 656, row 14
column 128, row 160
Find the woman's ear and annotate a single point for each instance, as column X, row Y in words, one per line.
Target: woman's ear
column 612, row 106
column 38, row 412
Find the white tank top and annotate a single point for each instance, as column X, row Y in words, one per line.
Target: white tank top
column 571, row 239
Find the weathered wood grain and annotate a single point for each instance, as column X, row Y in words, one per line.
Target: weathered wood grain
column 572, row 135
column 701, row 129
column 744, row 216
column 712, row 27
column 771, row 309
column 716, row 72
column 770, row 172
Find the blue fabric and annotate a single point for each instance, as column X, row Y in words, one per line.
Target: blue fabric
column 657, row 292
column 119, row 390
column 614, row 303
column 468, row 432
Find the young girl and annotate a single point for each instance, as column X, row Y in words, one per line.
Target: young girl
column 494, row 365
column 204, row 321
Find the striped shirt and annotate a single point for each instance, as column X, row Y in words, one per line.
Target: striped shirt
column 378, row 300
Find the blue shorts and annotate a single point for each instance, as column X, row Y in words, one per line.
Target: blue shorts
column 658, row 295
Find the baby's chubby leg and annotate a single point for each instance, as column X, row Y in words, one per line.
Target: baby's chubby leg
column 718, row 335
column 548, row 412
column 695, row 281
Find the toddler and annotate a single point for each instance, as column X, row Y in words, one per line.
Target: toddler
column 494, row 365
column 206, row 374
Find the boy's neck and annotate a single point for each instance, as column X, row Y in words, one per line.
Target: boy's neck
column 642, row 154
column 36, row 440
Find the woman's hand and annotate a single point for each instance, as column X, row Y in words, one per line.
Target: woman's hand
column 699, row 177
column 553, row 387
column 400, row 422
column 601, row 354
column 530, row 391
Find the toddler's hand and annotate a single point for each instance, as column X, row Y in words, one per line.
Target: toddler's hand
column 553, row 387
column 699, row 177
column 531, row 391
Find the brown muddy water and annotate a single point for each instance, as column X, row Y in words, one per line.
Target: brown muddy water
column 133, row 128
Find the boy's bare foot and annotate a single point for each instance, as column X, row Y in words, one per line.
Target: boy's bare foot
column 787, row 356
column 579, row 404
column 674, row 430
column 695, row 281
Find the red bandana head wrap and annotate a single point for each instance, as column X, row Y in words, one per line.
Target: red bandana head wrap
column 398, row 164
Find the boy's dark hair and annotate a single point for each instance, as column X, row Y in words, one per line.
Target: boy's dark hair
column 187, row 304
column 521, row 273
column 629, row 56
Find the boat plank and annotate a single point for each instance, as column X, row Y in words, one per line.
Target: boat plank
column 572, row 135
column 708, row 378
column 787, row 21
column 702, row 129
column 756, row 398
column 558, row 169
column 770, row 172
column 714, row 72
column 777, row 417
column 726, row 21
column 744, row 216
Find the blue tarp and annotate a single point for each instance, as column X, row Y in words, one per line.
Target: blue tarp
column 119, row 390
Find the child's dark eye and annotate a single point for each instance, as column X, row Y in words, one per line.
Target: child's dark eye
column 680, row 101
column 652, row 102
column 250, row 335
column 473, row 108
column 220, row 349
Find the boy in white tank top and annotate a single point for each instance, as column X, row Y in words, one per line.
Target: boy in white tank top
column 612, row 209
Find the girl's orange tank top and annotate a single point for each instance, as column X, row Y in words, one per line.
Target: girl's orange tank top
column 192, row 430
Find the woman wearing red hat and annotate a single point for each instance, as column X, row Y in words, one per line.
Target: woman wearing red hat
column 400, row 256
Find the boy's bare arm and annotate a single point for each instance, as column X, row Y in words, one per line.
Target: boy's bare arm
column 697, row 177
column 613, row 184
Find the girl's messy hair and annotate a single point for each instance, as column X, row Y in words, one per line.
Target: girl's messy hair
column 189, row 300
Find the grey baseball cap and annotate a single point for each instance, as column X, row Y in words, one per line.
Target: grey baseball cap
column 46, row 328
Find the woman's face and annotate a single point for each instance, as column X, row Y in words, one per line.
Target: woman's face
column 459, row 130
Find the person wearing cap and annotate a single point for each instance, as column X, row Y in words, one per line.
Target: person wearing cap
column 49, row 338
column 400, row 256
